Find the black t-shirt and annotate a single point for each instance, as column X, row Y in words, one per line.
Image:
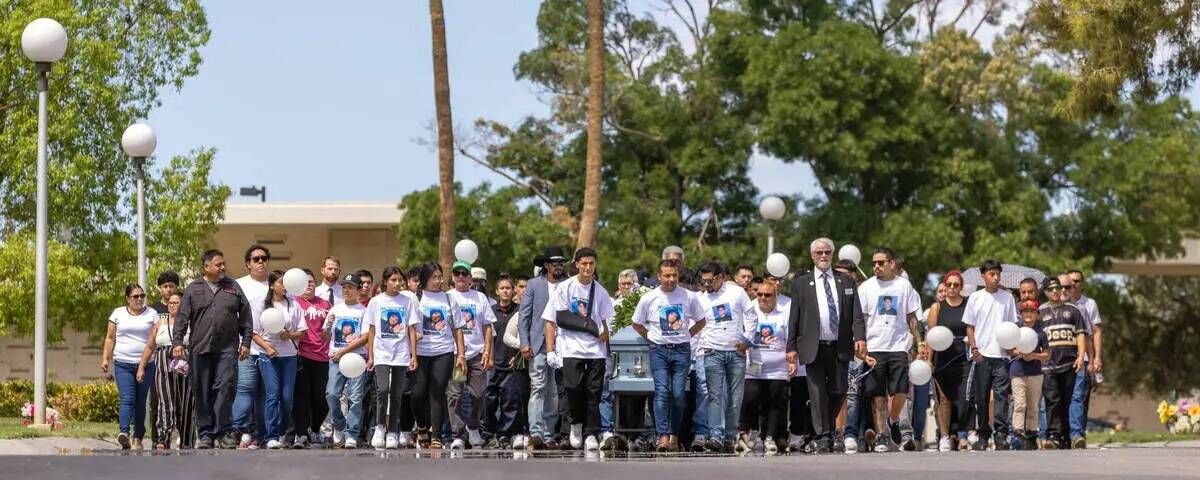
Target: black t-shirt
column 161, row 308
column 1061, row 324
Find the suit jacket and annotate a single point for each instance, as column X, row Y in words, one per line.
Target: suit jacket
column 532, row 328
column 805, row 320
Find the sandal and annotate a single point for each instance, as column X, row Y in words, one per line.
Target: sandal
column 435, row 444
column 422, row 439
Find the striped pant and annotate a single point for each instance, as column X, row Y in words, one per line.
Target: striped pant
column 172, row 402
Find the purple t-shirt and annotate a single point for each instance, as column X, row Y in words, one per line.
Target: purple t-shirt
column 1030, row 368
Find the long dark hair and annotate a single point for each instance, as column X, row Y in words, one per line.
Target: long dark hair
column 269, row 302
column 388, row 272
column 427, row 271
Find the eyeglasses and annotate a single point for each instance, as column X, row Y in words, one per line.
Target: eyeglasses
column 1068, row 287
column 260, row 259
column 822, row 253
column 953, row 285
column 460, row 273
column 138, row 296
column 766, row 295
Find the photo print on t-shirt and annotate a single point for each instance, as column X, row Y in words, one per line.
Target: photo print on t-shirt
column 345, row 330
column 579, row 306
column 887, row 305
column 670, row 320
column 720, row 313
column 435, row 322
column 470, row 319
column 393, row 322
column 766, row 336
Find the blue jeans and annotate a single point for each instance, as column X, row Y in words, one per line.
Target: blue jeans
column 132, row 396
column 1042, row 418
column 725, row 372
column 1078, row 411
column 698, row 378
column 606, row 401
column 247, row 403
column 279, row 381
column 669, row 365
column 543, row 398
column 858, row 405
column 920, row 403
column 353, row 387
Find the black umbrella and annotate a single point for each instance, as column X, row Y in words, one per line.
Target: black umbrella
column 1010, row 276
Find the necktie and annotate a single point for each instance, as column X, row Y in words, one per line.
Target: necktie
column 833, row 317
column 331, row 296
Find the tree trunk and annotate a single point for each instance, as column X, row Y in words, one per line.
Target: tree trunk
column 595, row 118
column 445, row 131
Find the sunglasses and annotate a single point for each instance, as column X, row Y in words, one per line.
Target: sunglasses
column 880, row 263
column 953, row 285
column 766, row 295
column 138, row 297
column 822, row 253
column 260, row 259
column 460, row 273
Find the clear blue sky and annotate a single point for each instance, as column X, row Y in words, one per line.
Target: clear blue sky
column 321, row 101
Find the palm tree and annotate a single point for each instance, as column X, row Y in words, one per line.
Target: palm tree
column 441, row 93
column 595, row 122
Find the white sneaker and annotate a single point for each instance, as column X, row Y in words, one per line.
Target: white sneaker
column 246, row 439
column 590, row 444
column 850, row 445
column 339, row 437
column 759, row 446
column 518, row 442
column 944, row 444
column 457, row 444
column 743, row 443
column 794, row 442
column 606, row 439
column 176, row 440
column 972, row 439
column 274, row 444
column 769, row 445
column 391, row 441
column 576, row 436
column 350, row 444
column 405, row 440
column 474, row 437
column 378, row 438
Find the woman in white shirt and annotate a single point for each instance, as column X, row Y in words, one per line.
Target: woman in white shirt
column 172, row 381
column 392, row 319
column 277, row 360
column 440, row 338
column 128, row 331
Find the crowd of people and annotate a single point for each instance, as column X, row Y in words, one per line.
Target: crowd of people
column 738, row 362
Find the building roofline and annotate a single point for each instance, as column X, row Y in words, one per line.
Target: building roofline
column 309, row 213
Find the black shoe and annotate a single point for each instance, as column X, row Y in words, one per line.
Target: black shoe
column 301, row 443
column 536, row 442
column 714, row 445
column 697, row 445
column 205, row 443
column 551, row 444
column 824, row 445
column 1001, row 441
column 839, row 444
column 503, row 443
column 907, row 444
column 229, row 442
column 1078, row 443
column 1031, row 441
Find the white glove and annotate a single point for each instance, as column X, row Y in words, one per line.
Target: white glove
column 553, row 360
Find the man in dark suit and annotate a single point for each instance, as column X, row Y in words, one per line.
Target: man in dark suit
column 826, row 320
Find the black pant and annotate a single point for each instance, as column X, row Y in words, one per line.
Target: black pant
column 564, row 406
column 1057, row 388
column 429, row 391
column 583, row 379
column 764, row 406
column 500, row 400
column 309, row 407
column 368, row 408
column 827, row 381
column 524, row 390
column 214, row 378
column 950, row 376
column 800, row 414
column 389, row 388
column 991, row 380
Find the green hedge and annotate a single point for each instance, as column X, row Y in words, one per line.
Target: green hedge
column 89, row 402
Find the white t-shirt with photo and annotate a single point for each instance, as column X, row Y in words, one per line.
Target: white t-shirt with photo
column 985, row 311
column 668, row 317
column 389, row 317
column 726, row 311
column 475, row 312
column 767, row 358
column 573, row 296
column 256, row 293
column 348, row 326
column 439, row 320
column 293, row 321
column 132, row 333
column 886, row 304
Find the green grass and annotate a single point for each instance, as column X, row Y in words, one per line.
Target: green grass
column 11, row 428
column 1137, row 437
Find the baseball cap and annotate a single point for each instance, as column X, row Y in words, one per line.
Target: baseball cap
column 461, row 265
column 478, row 273
column 1050, row 282
column 351, row 279
column 1029, row 305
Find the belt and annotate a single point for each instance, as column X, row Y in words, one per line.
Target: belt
column 828, row 343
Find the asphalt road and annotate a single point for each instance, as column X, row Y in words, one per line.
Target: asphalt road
column 410, row 464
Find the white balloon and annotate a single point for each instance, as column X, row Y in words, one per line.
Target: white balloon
column 851, row 253
column 919, row 372
column 1008, row 335
column 272, row 320
column 352, row 365
column 939, row 338
column 778, row 264
column 295, row 281
column 466, row 250
column 1028, row 340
